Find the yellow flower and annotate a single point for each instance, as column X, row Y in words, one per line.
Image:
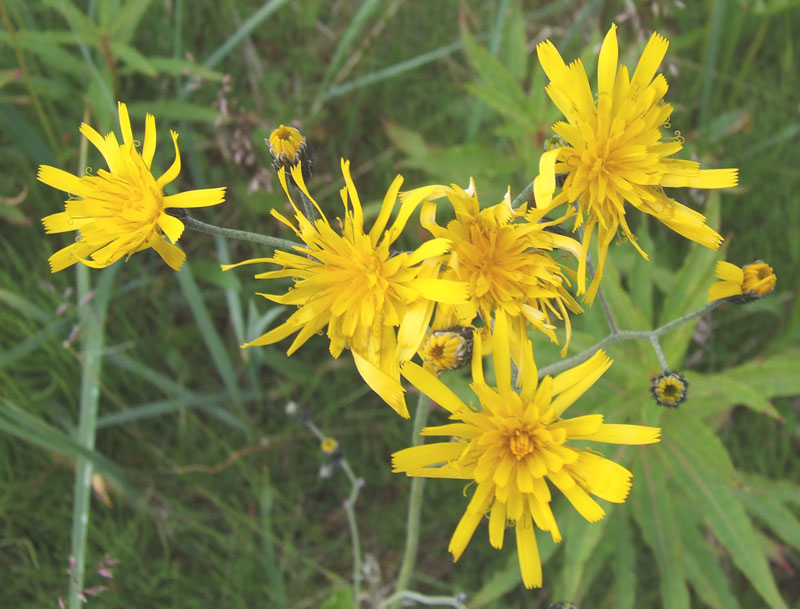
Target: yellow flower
column 121, row 211
column 517, row 446
column 505, row 264
column 615, row 153
column 353, row 284
column 448, row 349
column 752, row 281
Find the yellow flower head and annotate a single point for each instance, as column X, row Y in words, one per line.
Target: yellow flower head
column 750, row 282
column 669, row 389
column 615, row 153
column 518, row 445
column 123, row 210
column 288, row 147
column 448, row 349
column 505, row 264
column 329, row 445
column 352, row 283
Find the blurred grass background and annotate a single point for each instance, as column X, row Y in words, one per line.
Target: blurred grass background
column 232, row 509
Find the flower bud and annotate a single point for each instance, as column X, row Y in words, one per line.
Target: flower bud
column 669, row 389
column 288, row 147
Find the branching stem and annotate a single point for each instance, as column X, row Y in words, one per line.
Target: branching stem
column 623, row 335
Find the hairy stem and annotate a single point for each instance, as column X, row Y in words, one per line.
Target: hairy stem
column 623, row 335
column 414, row 506
column 232, row 233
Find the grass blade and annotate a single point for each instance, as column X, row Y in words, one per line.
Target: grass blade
column 215, row 344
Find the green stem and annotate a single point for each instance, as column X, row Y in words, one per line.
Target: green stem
column 92, row 317
column 232, row 233
column 414, row 504
column 624, row 335
column 349, row 508
column 524, row 196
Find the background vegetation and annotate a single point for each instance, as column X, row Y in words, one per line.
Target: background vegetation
column 225, row 501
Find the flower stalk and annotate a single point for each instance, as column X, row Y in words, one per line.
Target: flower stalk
column 414, row 506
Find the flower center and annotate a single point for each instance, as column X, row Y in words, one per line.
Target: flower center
column 598, row 159
column 521, row 443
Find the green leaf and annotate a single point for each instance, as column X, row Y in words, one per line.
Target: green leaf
column 704, row 470
column 79, row 23
column 515, row 44
column 624, row 562
column 133, row 59
column 175, row 66
column 783, row 490
column 653, row 510
column 689, row 290
column 340, row 598
column 773, row 376
column 641, row 275
column 580, row 544
column 771, row 511
column 701, row 562
column 710, row 394
column 127, row 20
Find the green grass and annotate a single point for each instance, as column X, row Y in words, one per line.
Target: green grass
column 232, row 510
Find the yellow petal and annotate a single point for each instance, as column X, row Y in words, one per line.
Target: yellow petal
column 149, row 146
column 172, row 254
column 603, row 477
column 501, row 355
column 202, row 197
column 358, row 212
column 67, row 256
column 172, row 227
column 651, row 58
column 724, row 289
column 471, row 519
column 707, row 178
column 497, row 524
column 62, row 222
column 442, row 290
column 60, row 179
column 607, row 63
column 530, row 564
column 544, row 184
column 571, row 384
column 273, row 336
column 615, row 433
column 125, row 124
column 389, row 389
column 170, row 174
column 227, row 267
column 581, row 501
column 456, row 430
column 386, row 210
column 426, row 455
column 431, row 386
column 729, row 272
column 579, row 426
